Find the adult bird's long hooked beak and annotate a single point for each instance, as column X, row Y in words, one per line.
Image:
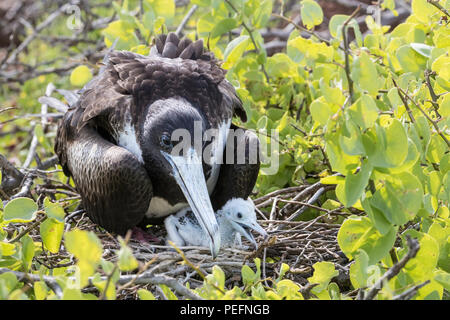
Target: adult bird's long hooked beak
column 188, row 172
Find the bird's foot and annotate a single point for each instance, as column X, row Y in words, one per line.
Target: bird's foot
column 143, row 236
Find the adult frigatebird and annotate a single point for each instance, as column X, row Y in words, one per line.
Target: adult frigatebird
column 117, row 138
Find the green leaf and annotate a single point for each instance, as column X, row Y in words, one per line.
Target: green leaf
column 399, row 199
column 54, row 210
column 20, row 210
column 387, row 147
column 423, row 49
column 350, row 139
column 332, row 95
column 145, row 295
column 28, row 250
column 365, row 74
column 323, row 272
column 359, row 233
column 223, row 26
column 283, row 270
column 339, row 161
column 321, row 111
column 163, row 8
column 288, row 290
column 332, row 180
column 420, row 268
column 126, row 261
column 40, row 290
column 261, row 13
column 167, row 292
column 311, row 13
column 336, row 23
column 410, row 60
column 87, row 248
column 51, row 231
column 235, row 49
column 423, row 11
column 441, row 235
column 7, row 249
column 443, row 278
column 80, row 76
column 355, row 184
column 377, row 217
column 358, row 270
column 8, row 282
column 364, row 112
column 124, row 32
column 248, row 275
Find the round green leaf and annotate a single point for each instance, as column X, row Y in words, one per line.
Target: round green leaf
column 51, row 231
column 364, row 112
column 20, row 210
column 359, row 233
column 321, row 111
column 235, row 49
column 324, row 271
column 411, row 60
column 223, row 26
column 311, row 13
column 54, row 210
column 80, row 76
column 400, row 199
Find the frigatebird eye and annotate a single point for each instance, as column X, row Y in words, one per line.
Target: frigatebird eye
column 239, row 215
column 165, row 141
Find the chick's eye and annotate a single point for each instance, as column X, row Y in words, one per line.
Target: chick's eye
column 165, row 141
column 239, row 215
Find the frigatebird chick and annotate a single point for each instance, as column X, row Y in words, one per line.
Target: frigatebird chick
column 237, row 217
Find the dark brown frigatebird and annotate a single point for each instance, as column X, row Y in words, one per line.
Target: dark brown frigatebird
column 118, row 138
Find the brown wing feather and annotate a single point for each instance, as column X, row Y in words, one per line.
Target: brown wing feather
column 106, row 177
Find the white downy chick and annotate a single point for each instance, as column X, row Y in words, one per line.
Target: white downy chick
column 237, row 217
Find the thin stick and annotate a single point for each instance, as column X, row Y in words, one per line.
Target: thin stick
column 186, row 19
column 437, row 5
column 347, row 52
column 414, row 247
column 434, row 123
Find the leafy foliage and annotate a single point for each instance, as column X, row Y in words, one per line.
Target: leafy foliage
column 374, row 111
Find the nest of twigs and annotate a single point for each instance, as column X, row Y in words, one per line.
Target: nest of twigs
column 292, row 241
column 298, row 244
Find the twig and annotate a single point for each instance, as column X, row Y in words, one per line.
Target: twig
column 299, row 27
column 405, row 103
column 30, row 227
column 347, row 52
column 414, row 247
column 301, row 195
column 35, row 33
column 408, row 294
column 194, row 267
column 306, row 290
column 30, row 278
column 186, row 19
column 31, row 151
column 157, row 280
column 433, row 95
column 434, row 123
column 438, row 6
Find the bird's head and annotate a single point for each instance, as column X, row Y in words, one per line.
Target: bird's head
column 241, row 215
column 172, row 146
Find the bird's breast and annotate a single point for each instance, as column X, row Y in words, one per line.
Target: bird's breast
column 160, row 207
